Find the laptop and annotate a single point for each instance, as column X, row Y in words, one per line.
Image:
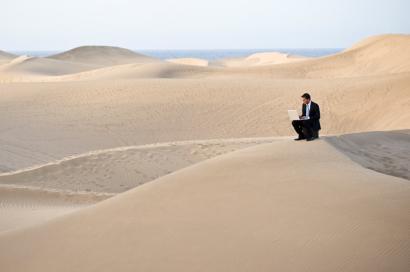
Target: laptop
column 293, row 115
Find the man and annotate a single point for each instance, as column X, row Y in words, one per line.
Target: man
column 309, row 120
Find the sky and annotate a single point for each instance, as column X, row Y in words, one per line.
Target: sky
column 189, row 24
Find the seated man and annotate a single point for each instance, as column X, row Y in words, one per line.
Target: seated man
column 309, row 120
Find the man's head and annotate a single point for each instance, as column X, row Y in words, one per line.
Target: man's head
column 306, row 98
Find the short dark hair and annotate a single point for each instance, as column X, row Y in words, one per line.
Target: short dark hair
column 306, row 95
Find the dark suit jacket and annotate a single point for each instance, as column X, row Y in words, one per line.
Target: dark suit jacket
column 314, row 115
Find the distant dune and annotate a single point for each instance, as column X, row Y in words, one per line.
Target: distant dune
column 190, row 61
column 40, row 68
column 141, row 71
column 77, row 60
column 260, row 59
column 379, row 55
column 6, row 57
column 102, row 56
column 376, row 55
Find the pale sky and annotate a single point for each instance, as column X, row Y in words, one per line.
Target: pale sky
column 189, row 24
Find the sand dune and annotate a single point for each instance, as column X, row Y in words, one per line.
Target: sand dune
column 36, row 194
column 34, row 68
column 119, row 169
column 261, row 59
column 74, row 61
column 164, row 142
column 141, row 71
column 379, row 55
column 372, row 57
column 265, row 203
column 11, row 63
column 386, row 152
column 42, row 122
column 102, row 56
column 190, row 61
column 6, row 57
column 22, row 206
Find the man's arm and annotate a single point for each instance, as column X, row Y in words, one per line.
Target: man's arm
column 303, row 111
column 315, row 114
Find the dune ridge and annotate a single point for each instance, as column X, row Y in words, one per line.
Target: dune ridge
column 190, row 61
column 373, row 56
column 64, row 118
column 5, row 57
column 23, row 206
column 36, row 194
column 180, row 209
column 119, row 169
column 385, row 152
column 102, row 56
column 262, row 59
column 40, row 195
column 377, row 55
column 31, row 68
column 77, row 60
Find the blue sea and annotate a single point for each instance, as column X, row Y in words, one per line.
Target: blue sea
column 209, row 54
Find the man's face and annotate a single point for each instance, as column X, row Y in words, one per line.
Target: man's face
column 305, row 100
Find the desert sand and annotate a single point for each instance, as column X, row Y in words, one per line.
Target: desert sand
column 190, row 61
column 386, row 152
column 102, row 56
column 260, row 59
column 6, row 57
column 114, row 160
column 261, row 208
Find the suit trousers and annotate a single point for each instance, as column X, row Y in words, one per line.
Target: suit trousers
column 303, row 128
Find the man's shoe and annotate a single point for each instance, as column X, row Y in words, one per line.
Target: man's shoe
column 299, row 139
column 310, row 139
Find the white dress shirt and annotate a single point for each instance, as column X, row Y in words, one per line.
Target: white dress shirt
column 308, row 110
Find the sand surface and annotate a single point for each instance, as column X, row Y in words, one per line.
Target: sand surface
column 42, row 122
column 111, row 160
column 189, row 61
column 102, row 56
column 119, row 169
column 281, row 206
column 261, row 59
column 22, row 206
column 386, row 152
column 35, row 194
column 6, row 57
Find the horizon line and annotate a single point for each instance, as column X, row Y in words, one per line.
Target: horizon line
column 181, row 49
